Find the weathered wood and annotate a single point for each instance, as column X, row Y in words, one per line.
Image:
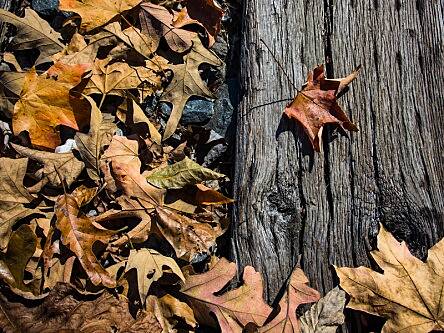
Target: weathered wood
column 327, row 207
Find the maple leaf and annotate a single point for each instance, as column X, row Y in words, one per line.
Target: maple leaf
column 157, row 22
column 149, row 265
column 45, row 104
column 79, row 234
column 33, row 32
column 233, row 309
column 297, row 293
column 316, row 105
column 92, row 145
column 409, row 293
column 187, row 82
column 95, row 13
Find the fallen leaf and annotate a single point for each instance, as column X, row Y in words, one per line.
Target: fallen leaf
column 79, row 234
column 187, row 82
column 208, row 196
column 188, row 237
column 33, row 32
column 12, row 81
column 45, row 104
column 91, row 146
column 171, row 307
column 326, row 315
column 180, row 174
column 149, row 265
column 297, row 293
column 68, row 166
column 409, row 292
column 233, row 309
column 157, row 22
column 95, row 13
column 316, row 105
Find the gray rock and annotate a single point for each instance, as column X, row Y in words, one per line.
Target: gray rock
column 45, row 7
column 196, row 111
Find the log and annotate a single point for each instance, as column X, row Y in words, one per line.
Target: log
column 326, row 207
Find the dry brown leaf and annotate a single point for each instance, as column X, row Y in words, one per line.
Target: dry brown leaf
column 408, row 294
column 45, row 104
column 92, row 145
column 79, row 234
column 297, row 293
column 233, row 309
column 188, row 237
column 33, row 32
column 68, row 166
column 316, row 105
column 187, row 82
column 171, row 307
column 157, row 22
column 208, row 196
column 95, row 13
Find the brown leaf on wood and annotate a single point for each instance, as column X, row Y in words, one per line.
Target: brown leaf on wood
column 408, row 294
column 233, row 309
column 95, row 13
column 45, row 104
column 297, row 293
column 316, row 105
column 79, row 234
column 157, row 22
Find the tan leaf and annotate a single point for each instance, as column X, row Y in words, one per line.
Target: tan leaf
column 297, row 293
column 171, row 307
column 180, row 174
column 79, row 234
column 409, row 293
column 208, row 196
column 66, row 164
column 188, row 237
column 13, row 81
column 149, row 265
column 326, row 315
column 95, row 13
column 233, row 309
column 187, row 82
column 45, row 104
column 59, row 272
column 33, row 32
column 157, row 22
column 92, row 145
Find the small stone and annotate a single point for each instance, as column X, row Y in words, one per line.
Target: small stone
column 196, row 111
column 45, row 7
column 67, row 147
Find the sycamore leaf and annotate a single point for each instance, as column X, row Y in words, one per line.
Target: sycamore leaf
column 316, row 105
column 233, row 309
column 45, row 104
column 187, row 82
column 180, row 174
column 208, row 196
column 188, row 237
column 297, row 293
column 409, row 293
column 326, row 315
column 117, row 78
column 79, row 234
column 33, row 32
column 92, row 145
column 65, row 163
column 95, row 13
column 12, row 196
column 157, row 22
column 149, row 265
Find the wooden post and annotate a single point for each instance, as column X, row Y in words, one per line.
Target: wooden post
column 326, row 207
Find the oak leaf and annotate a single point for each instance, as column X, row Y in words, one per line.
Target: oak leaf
column 33, row 32
column 45, row 104
column 297, row 293
column 233, row 309
column 79, row 234
column 408, row 293
column 316, row 105
column 95, row 13
column 149, row 265
column 91, row 146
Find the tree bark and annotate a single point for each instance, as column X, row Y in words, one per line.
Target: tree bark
column 326, row 207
